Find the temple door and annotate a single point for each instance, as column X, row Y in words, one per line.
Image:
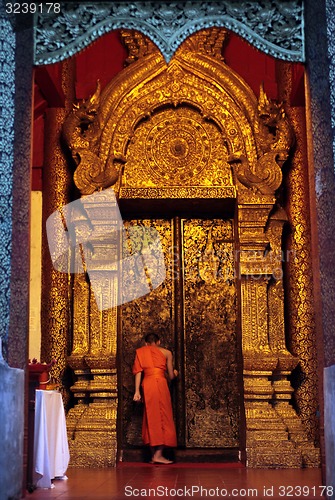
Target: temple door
column 195, row 314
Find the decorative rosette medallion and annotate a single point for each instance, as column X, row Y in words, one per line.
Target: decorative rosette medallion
column 178, row 147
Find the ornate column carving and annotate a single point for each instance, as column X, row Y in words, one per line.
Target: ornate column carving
column 275, row 435
column 92, row 421
column 56, row 285
column 55, row 311
column 267, row 441
column 301, row 323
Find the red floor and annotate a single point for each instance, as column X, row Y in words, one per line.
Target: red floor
column 184, row 481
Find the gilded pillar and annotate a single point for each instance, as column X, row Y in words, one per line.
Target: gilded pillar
column 301, row 337
column 76, row 331
column 57, row 179
column 300, row 303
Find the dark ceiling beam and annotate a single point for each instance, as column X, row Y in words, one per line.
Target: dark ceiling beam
column 49, row 81
column 298, row 85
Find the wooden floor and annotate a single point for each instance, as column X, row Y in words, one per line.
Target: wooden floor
column 184, row 481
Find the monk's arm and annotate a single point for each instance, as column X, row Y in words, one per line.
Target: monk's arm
column 137, row 395
column 169, row 364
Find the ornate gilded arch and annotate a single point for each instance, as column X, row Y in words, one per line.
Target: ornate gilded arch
column 192, row 129
column 175, row 113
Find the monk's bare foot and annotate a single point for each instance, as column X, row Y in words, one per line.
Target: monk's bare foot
column 161, row 460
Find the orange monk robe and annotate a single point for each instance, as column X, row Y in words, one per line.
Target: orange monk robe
column 158, row 426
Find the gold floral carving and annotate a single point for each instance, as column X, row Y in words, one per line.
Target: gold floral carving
column 182, row 126
column 177, row 147
column 208, row 42
column 138, row 45
column 195, row 192
column 211, row 342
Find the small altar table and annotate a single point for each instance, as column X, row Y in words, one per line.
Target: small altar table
column 51, row 449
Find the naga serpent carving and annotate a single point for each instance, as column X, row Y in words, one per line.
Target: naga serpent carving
column 81, row 132
column 274, row 137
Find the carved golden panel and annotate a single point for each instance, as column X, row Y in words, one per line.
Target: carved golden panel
column 179, row 192
column 152, row 312
column 176, row 147
column 211, row 345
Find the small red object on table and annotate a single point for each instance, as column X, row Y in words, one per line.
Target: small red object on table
column 39, row 372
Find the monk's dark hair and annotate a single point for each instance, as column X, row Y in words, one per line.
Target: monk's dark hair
column 151, row 338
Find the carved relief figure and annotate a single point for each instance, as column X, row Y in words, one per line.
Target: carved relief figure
column 81, row 131
column 273, row 130
column 274, row 139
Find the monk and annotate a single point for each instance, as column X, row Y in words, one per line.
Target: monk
column 158, row 429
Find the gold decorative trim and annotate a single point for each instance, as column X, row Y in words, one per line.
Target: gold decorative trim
column 178, row 193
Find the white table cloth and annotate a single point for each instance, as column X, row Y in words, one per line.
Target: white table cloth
column 51, row 449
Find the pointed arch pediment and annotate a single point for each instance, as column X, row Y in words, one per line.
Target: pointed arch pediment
column 191, row 123
column 179, row 124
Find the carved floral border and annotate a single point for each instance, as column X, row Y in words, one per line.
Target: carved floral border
column 272, row 26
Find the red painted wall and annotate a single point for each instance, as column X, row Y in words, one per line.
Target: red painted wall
column 252, row 65
column 102, row 60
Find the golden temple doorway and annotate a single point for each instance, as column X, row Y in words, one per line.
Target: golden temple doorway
column 195, row 312
column 188, row 150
